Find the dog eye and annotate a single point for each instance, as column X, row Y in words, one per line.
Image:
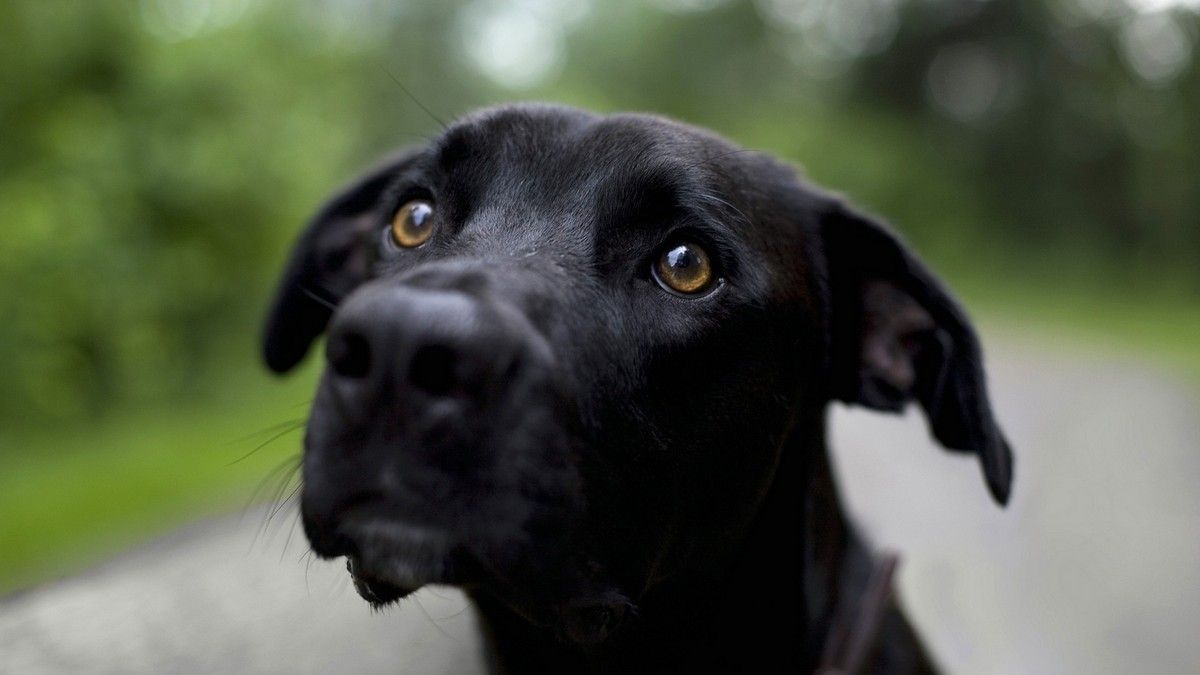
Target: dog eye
column 684, row 269
column 413, row 223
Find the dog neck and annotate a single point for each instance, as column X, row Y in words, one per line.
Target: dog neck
column 767, row 607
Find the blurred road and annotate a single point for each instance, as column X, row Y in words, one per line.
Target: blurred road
column 1094, row 567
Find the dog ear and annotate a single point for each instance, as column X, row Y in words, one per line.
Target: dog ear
column 331, row 257
column 898, row 335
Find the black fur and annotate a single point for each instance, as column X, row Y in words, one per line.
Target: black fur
column 623, row 479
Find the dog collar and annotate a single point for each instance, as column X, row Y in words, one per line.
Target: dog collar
column 856, row 621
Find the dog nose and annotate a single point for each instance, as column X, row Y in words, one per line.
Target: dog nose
column 357, row 354
column 396, row 339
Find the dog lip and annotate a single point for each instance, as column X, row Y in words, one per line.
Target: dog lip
column 393, row 532
column 391, row 559
column 376, row 591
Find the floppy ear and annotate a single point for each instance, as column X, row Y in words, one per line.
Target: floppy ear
column 898, row 336
column 332, row 256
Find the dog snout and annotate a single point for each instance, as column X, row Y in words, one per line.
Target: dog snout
column 439, row 393
column 406, row 343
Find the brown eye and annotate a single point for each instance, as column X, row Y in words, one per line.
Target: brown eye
column 413, row 223
column 684, row 269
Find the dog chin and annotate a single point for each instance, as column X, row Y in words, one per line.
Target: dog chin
column 378, row 591
column 394, row 561
column 390, row 561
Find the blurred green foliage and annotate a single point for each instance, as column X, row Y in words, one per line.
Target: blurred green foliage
column 80, row 493
column 156, row 157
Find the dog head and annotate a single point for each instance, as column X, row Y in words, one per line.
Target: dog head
column 564, row 352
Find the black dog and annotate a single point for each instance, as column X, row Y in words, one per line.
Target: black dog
column 579, row 366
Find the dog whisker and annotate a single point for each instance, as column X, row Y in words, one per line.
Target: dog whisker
column 723, row 202
column 281, row 504
column 328, row 304
column 414, row 99
column 290, row 464
column 266, row 430
column 432, row 621
column 282, row 474
column 306, row 558
column 294, row 425
column 288, row 541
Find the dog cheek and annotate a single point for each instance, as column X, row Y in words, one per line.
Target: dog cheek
column 535, row 501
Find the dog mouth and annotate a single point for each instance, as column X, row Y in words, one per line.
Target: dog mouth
column 390, row 556
column 375, row 590
column 390, row 560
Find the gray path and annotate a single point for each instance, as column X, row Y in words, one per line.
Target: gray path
column 1094, row 568
column 212, row 600
column 1095, row 565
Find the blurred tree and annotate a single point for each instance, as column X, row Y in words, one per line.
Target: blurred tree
column 1070, row 146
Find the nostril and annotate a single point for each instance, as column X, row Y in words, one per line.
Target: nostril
column 433, row 370
column 349, row 355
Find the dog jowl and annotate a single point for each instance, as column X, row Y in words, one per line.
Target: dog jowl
column 578, row 365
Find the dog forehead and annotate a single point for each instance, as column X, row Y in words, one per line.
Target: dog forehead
column 563, row 167
column 563, row 158
column 573, row 146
